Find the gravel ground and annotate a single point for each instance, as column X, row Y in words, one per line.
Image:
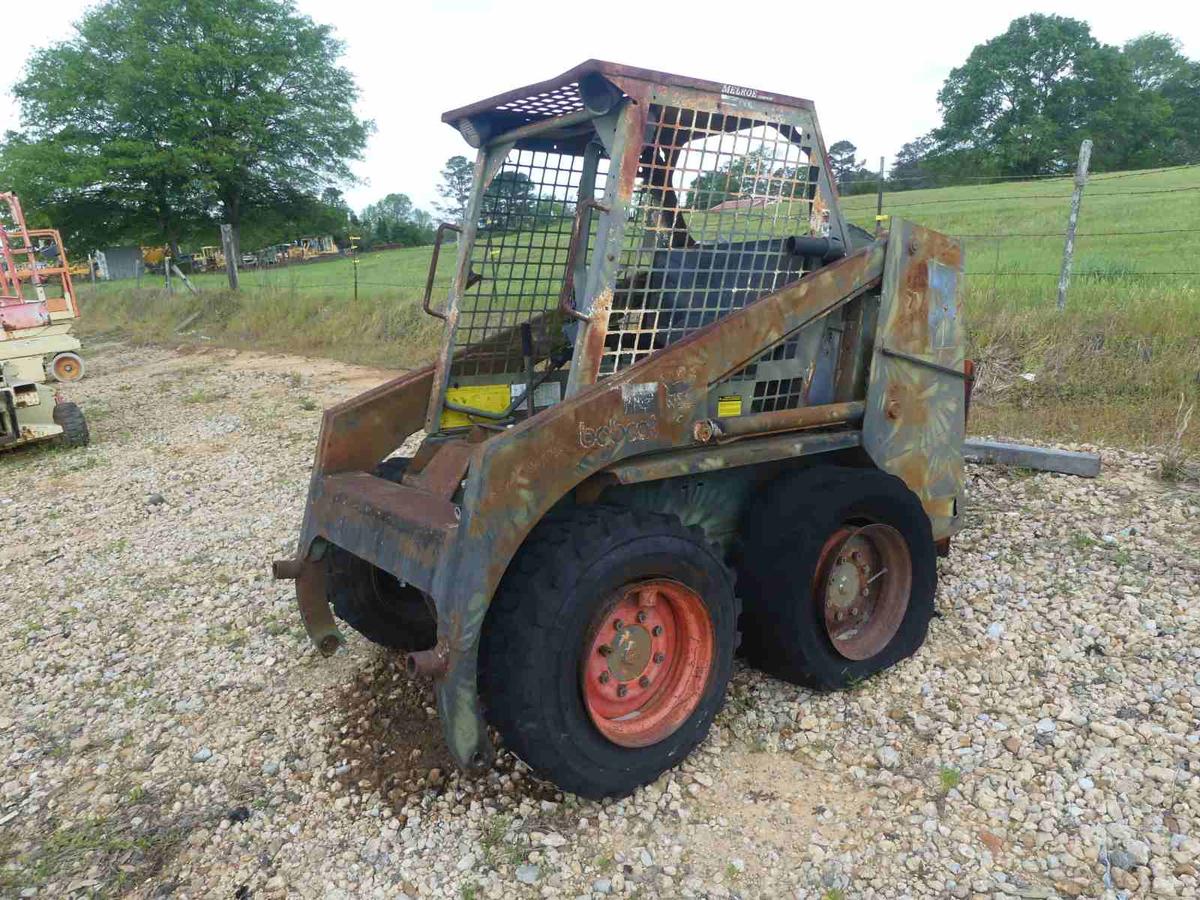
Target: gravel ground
column 166, row 729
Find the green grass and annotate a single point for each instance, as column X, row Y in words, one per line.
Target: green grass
column 1113, row 368
column 949, row 778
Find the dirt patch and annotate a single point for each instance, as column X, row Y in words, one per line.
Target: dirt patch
column 782, row 802
column 354, row 379
column 390, row 739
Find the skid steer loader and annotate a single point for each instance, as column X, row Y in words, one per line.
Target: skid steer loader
column 681, row 405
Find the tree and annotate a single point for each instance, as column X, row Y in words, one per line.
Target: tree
column 392, row 208
column 394, row 220
column 1170, row 81
column 1024, row 100
column 842, row 162
column 757, row 174
column 1155, row 60
column 509, row 201
column 200, row 111
column 911, row 169
column 457, row 175
column 850, row 173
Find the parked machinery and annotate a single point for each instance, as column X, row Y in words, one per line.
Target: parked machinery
column 38, row 305
column 678, row 400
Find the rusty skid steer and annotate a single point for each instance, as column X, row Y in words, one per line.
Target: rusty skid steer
column 682, row 406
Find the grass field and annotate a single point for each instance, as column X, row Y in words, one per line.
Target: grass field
column 1113, row 368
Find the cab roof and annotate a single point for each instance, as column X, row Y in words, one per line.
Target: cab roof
column 561, row 96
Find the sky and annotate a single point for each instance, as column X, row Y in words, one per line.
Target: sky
column 873, row 69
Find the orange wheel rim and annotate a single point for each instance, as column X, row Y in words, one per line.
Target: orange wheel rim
column 862, row 585
column 66, row 369
column 647, row 661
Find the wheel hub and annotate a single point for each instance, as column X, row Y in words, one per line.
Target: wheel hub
column 862, row 582
column 646, row 661
column 630, row 653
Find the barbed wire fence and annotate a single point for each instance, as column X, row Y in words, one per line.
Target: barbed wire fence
column 888, row 201
column 1088, row 187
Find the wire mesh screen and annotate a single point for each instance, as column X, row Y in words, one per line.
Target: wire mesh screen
column 716, row 198
column 518, row 261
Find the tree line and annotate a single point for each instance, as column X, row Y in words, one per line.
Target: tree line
column 1023, row 102
column 158, row 119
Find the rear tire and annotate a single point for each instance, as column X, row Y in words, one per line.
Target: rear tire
column 608, row 647
column 800, row 585
column 69, row 417
column 374, row 602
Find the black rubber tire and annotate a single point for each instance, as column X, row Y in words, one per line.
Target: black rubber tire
column 782, row 535
column 532, row 642
column 69, row 417
column 373, row 602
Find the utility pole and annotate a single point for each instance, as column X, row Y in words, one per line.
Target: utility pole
column 231, row 260
column 1081, row 172
column 354, row 239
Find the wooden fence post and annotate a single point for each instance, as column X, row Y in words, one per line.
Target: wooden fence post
column 1081, row 171
column 231, row 260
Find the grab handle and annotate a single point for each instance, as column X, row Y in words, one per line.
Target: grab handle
column 433, row 262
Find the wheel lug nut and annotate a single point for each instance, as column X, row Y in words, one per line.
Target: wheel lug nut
column 622, row 690
column 618, row 624
column 839, row 615
column 641, row 616
column 854, row 610
column 644, row 681
column 659, row 657
column 604, row 677
column 656, row 631
column 864, row 592
column 605, row 649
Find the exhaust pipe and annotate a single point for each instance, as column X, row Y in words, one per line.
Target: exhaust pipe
column 287, row 569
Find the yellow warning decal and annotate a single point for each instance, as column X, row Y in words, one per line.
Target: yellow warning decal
column 488, row 397
column 729, row 406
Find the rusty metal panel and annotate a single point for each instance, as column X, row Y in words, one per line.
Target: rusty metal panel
column 698, row 460
column 915, row 416
column 397, row 528
column 561, row 96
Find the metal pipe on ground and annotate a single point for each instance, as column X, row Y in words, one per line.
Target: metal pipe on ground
column 1044, row 459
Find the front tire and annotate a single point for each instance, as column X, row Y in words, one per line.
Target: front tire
column 69, row 417
column 838, row 572
column 608, row 648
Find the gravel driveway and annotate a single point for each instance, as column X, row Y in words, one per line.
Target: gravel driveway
column 166, row 730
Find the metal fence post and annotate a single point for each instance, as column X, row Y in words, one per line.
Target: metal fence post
column 879, row 200
column 231, row 260
column 1081, row 171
